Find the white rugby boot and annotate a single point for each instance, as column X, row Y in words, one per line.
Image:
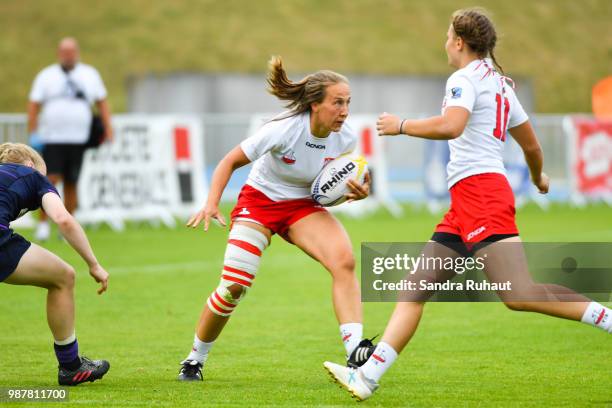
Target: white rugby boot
column 352, row 380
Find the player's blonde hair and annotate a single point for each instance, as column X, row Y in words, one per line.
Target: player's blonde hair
column 20, row 153
column 301, row 94
column 477, row 30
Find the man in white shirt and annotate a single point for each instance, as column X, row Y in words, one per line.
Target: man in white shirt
column 60, row 111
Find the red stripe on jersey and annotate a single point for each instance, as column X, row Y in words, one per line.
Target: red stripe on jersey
column 222, row 301
column 239, row 281
column 246, row 246
column 601, row 316
column 239, row 272
column 506, row 111
column 217, row 308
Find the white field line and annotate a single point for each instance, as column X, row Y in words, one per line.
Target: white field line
column 161, row 268
column 195, row 265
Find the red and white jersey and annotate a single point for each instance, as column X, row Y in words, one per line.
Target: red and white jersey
column 288, row 157
column 493, row 107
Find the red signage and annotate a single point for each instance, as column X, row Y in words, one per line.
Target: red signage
column 592, row 166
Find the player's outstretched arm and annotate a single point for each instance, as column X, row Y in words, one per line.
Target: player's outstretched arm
column 232, row 161
column 74, row 234
column 444, row 127
column 526, row 138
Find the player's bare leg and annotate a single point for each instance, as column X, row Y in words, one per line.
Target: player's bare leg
column 408, row 311
column 39, row 267
column 246, row 243
column 362, row 382
column 210, row 324
column 321, row 236
column 506, row 260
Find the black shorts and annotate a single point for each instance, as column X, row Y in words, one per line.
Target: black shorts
column 65, row 160
column 455, row 242
column 11, row 251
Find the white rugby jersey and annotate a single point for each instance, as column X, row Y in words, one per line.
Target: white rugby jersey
column 493, row 107
column 288, row 157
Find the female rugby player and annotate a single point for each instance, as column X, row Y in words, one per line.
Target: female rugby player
column 289, row 151
column 24, row 187
column 478, row 108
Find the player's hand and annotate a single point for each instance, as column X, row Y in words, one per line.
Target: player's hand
column 101, row 276
column 359, row 191
column 388, row 125
column 542, row 183
column 207, row 213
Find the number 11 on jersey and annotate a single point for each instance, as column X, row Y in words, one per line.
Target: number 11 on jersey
column 500, row 132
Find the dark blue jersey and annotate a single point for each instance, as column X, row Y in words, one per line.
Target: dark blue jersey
column 21, row 190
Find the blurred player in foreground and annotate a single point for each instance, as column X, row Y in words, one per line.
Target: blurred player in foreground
column 24, row 187
column 289, row 151
column 478, row 108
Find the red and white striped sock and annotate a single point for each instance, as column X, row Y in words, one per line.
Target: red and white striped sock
column 599, row 316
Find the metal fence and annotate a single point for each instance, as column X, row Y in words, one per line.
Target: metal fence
column 13, row 128
column 405, row 156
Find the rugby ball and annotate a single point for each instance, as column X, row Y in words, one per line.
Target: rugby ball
column 331, row 184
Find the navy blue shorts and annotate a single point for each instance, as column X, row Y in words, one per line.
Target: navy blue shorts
column 11, row 250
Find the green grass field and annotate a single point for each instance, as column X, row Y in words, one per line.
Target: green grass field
column 272, row 351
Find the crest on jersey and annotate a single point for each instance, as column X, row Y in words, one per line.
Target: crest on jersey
column 289, row 157
column 456, row 93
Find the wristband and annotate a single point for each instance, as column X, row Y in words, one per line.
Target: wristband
column 401, row 126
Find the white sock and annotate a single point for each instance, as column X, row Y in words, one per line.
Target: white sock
column 379, row 362
column 200, row 349
column 351, row 336
column 599, row 316
column 66, row 341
